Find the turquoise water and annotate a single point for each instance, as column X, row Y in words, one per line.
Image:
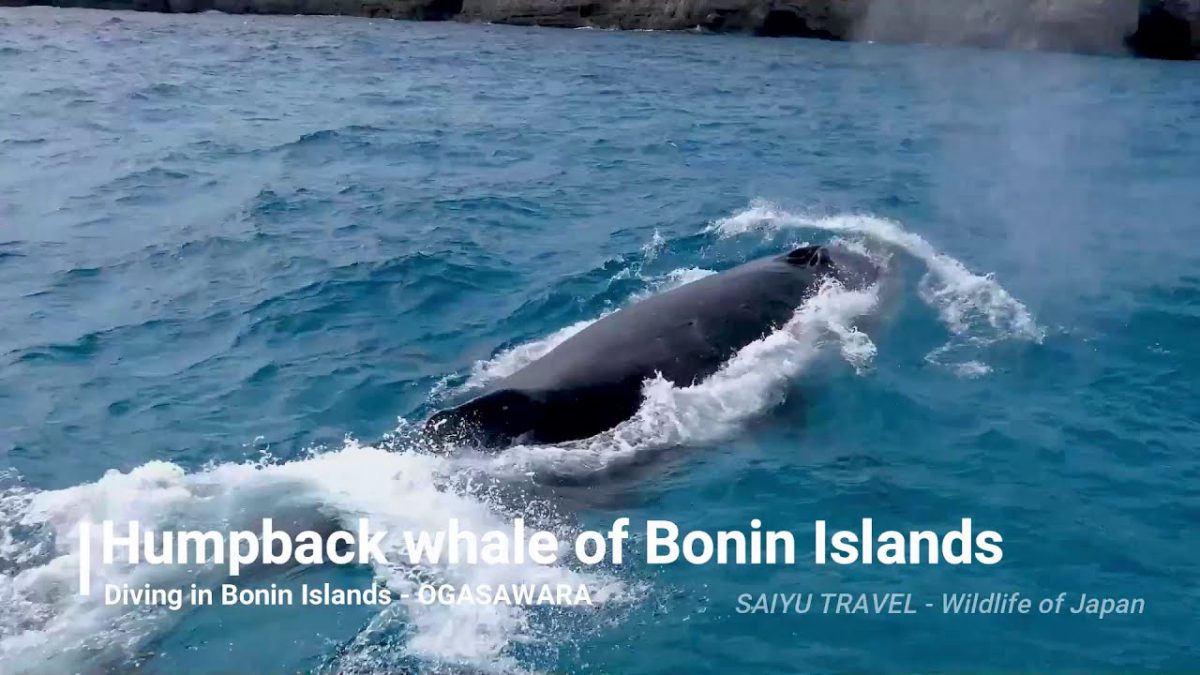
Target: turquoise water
column 227, row 244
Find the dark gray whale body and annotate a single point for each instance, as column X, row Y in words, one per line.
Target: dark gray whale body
column 593, row 380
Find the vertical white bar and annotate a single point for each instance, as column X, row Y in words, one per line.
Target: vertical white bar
column 85, row 558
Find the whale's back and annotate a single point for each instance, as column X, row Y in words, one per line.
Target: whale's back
column 685, row 333
column 593, row 380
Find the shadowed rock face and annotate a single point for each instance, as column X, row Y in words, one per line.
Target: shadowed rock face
column 1155, row 28
column 806, row 18
column 427, row 10
column 1168, row 29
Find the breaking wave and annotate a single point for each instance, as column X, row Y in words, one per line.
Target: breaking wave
column 46, row 625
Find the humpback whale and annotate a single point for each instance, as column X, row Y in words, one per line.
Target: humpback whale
column 593, row 380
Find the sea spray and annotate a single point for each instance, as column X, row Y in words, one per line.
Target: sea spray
column 975, row 308
column 753, row 381
column 46, row 621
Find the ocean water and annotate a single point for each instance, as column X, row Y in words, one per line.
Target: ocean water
column 241, row 258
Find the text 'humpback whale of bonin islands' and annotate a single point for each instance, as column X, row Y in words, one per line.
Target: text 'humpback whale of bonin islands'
column 593, row 381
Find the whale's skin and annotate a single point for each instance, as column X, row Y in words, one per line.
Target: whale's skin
column 593, row 380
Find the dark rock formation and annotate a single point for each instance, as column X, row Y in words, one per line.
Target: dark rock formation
column 1155, row 28
column 428, row 10
column 1168, row 29
column 829, row 19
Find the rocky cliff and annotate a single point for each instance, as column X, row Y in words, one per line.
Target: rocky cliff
column 1157, row 28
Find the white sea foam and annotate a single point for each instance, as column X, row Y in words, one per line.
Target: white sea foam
column 652, row 248
column 972, row 369
column 46, row 626
column 671, row 280
column 752, row 382
column 975, row 308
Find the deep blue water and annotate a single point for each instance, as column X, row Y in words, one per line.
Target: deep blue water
column 229, row 238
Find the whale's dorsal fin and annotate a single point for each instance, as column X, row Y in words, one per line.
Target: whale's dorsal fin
column 811, row 256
